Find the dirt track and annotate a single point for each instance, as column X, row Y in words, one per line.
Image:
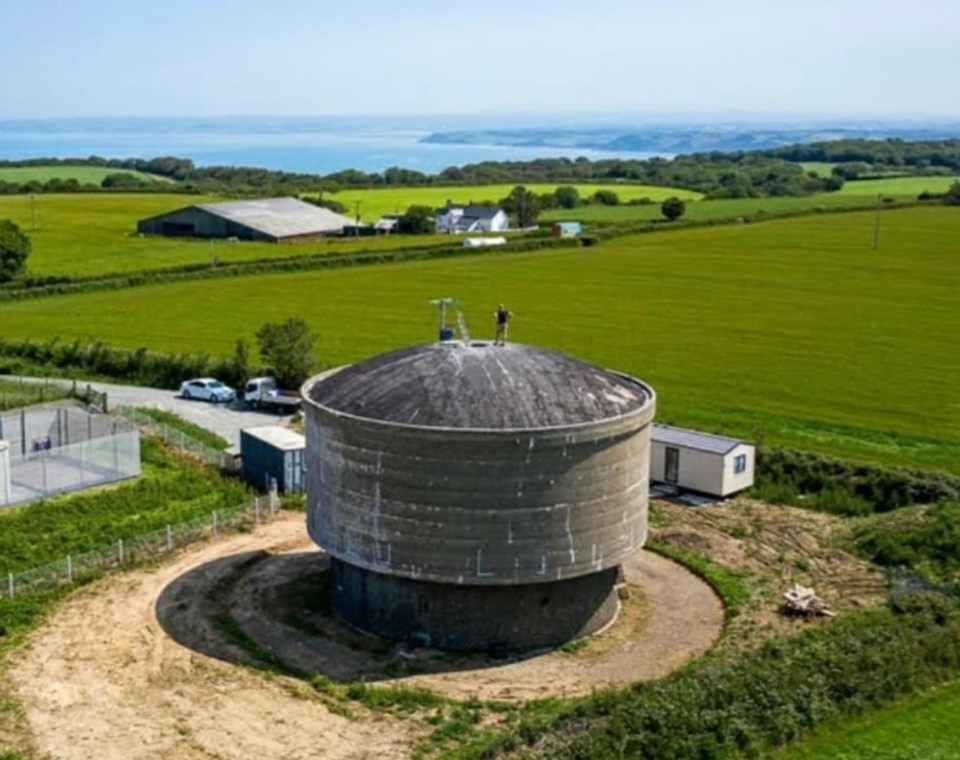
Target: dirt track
column 103, row 679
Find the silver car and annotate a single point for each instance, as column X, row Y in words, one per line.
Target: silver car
column 207, row 389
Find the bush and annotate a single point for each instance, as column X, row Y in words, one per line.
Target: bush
column 847, row 488
column 746, row 704
column 673, row 209
column 927, row 542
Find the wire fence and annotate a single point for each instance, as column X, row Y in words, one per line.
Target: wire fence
column 128, row 552
column 176, row 437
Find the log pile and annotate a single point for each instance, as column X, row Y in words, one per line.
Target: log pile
column 803, row 601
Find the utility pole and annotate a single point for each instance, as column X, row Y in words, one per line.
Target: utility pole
column 876, row 224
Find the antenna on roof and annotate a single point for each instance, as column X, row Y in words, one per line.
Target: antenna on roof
column 446, row 333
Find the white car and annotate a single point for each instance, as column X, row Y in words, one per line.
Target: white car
column 207, row 389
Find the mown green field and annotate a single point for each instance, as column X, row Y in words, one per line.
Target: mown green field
column 377, row 202
column 821, row 168
column 894, row 186
column 83, row 174
column 96, row 234
column 922, row 728
column 792, row 331
column 715, row 209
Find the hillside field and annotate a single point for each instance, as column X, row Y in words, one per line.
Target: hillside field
column 92, row 175
column 895, row 186
column 792, row 331
column 377, row 202
column 89, row 234
column 707, row 210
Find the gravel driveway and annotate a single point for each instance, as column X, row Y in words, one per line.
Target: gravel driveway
column 225, row 420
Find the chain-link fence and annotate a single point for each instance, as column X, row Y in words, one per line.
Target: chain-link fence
column 61, row 448
column 178, row 438
column 130, row 551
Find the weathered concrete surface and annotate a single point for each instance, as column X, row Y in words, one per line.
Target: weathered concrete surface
column 480, row 467
column 442, row 615
column 479, row 386
column 477, row 506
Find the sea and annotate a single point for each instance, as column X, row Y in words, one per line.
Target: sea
column 315, row 145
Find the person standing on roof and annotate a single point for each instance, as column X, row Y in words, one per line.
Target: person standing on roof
column 502, row 315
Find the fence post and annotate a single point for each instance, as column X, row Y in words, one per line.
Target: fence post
column 10, row 587
column 214, row 523
column 120, row 550
column 169, row 539
column 69, row 569
column 256, row 510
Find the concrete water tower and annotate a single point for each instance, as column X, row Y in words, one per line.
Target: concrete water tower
column 477, row 496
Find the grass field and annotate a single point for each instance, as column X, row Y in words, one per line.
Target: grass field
column 922, row 728
column 96, row 234
column 793, row 331
column 821, row 168
column 92, row 175
column 715, row 209
column 894, row 186
column 375, row 203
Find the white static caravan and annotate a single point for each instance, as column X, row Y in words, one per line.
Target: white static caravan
column 710, row 464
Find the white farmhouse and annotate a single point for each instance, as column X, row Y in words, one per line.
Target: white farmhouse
column 457, row 220
column 710, row 464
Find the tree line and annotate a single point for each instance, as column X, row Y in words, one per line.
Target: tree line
column 736, row 174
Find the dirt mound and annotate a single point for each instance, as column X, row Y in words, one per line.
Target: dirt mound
column 139, row 665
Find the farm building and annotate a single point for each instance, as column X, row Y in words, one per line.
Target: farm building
column 272, row 453
column 566, row 229
column 477, row 496
column 387, row 224
column 271, row 220
column 457, row 220
column 710, row 464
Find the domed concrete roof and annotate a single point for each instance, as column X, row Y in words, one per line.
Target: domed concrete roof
column 478, row 386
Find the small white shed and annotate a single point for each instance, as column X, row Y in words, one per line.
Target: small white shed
column 703, row 462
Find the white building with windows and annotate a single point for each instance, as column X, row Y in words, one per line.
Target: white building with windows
column 710, row 464
column 458, row 220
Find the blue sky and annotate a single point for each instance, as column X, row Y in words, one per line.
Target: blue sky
column 315, row 57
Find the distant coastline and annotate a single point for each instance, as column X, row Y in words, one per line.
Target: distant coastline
column 324, row 145
column 666, row 139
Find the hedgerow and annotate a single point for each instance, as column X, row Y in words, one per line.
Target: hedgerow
column 748, row 703
column 816, row 481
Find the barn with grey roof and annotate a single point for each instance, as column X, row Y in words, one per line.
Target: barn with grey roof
column 271, row 220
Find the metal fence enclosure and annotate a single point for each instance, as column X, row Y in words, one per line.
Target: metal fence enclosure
column 61, row 448
column 130, row 551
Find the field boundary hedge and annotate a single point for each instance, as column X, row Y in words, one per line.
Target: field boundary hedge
column 748, row 703
column 55, row 285
column 301, row 263
column 839, row 486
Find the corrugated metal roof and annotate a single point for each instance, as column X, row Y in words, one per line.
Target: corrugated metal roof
column 279, row 437
column 693, row 439
column 279, row 217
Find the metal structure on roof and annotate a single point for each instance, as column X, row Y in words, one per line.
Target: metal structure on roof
column 693, row 439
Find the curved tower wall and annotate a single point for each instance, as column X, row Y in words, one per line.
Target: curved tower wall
column 477, row 507
column 473, row 538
